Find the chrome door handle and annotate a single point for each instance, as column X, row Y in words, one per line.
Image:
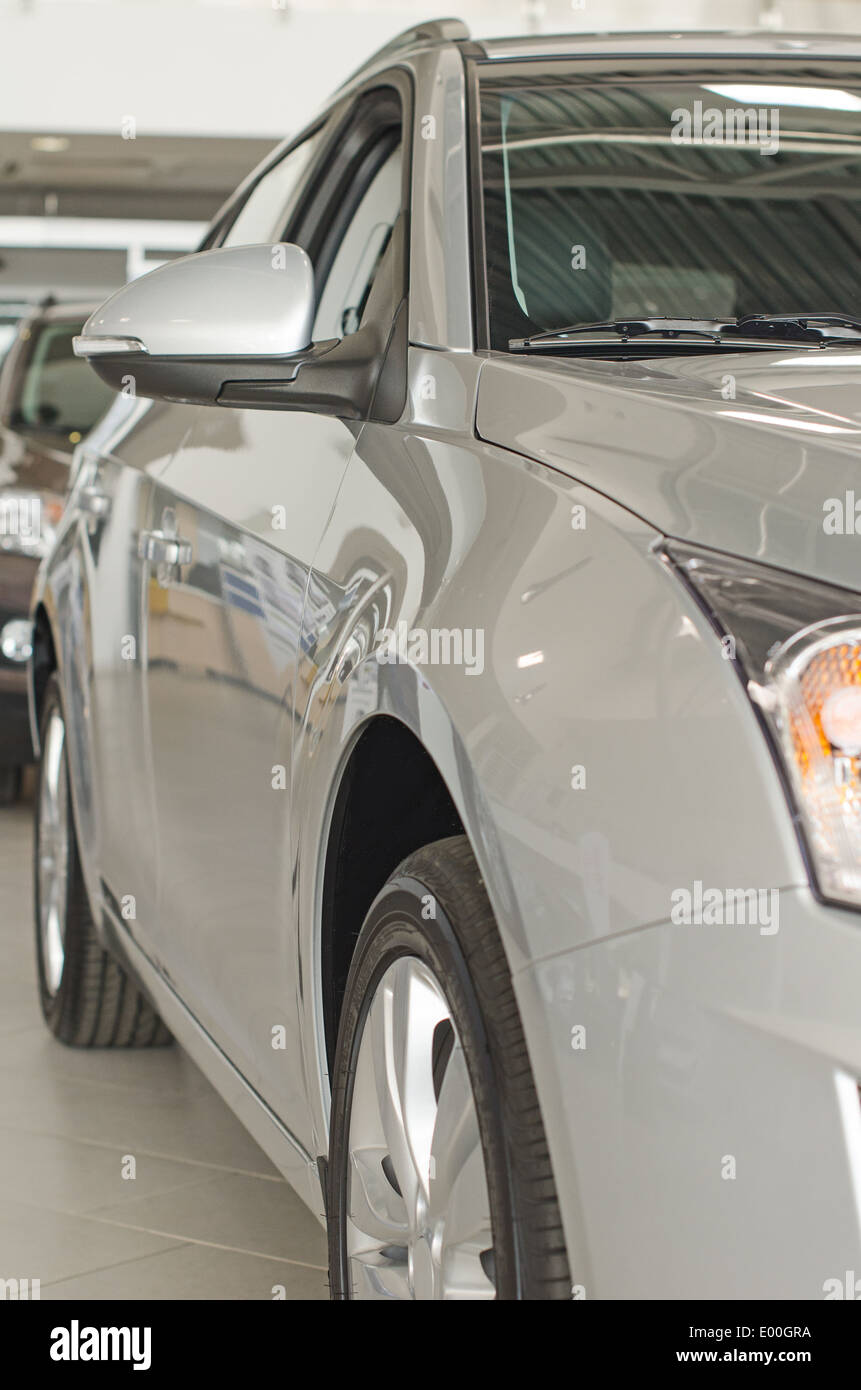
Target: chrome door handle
column 160, row 549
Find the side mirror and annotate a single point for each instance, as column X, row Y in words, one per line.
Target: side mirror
column 230, row 327
column 245, row 301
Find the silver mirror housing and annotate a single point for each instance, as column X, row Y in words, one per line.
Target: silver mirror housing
column 242, row 301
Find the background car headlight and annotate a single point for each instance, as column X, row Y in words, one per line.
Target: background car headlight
column 16, row 640
column 797, row 647
column 28, row 521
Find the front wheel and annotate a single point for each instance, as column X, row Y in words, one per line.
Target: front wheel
column 440, row 1179
column 87, row 998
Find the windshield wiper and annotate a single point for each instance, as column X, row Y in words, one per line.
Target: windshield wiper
column 756, row 329
column 625, row 329
column 797, row 327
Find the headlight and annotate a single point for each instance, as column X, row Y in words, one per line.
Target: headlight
column 28, row 521
column 797, row 646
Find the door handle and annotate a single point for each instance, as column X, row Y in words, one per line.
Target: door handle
column 160, row 549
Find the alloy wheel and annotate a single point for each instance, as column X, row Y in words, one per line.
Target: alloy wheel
column 53, row 851
column 418, row 1210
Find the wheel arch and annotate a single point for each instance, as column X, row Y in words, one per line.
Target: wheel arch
column 42, row 663
column 368, row 837
column 406, row 735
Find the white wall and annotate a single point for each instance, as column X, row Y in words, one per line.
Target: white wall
column 175, row 68
column 253, row 67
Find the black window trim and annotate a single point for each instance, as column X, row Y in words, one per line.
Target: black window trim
column 372, row 128
column 353, row 133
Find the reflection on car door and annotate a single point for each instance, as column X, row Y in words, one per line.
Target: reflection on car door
column 234, row 526
column 113, row 490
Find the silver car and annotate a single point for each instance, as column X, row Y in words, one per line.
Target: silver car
column 447, row 671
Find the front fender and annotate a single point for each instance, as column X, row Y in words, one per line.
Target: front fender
column 603, row 757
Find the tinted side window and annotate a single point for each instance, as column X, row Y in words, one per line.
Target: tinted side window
column 266, row 211
column 360, row 251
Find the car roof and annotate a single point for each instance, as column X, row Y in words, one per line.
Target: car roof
column 673, row 43
column 653, row 43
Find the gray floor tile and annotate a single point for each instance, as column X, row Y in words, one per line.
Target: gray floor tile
column 197, row 1127
column 163, row 1070
column 17, row 1016
column 195, row 1271
column 40, row 1243
column 77, row 1177
column 240, row 1212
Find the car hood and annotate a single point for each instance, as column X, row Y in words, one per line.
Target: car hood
column 748, row 452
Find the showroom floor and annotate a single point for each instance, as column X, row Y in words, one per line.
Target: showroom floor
column 206, row 1215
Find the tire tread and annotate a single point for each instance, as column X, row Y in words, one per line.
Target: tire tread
column 452, row 865
column 470, row 946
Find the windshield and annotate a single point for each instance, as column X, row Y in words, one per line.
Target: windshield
column 731, row 193
column 60, row 393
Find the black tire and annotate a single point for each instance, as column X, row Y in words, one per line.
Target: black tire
column 10, row 785
column 462, row 948
column 95, row 1003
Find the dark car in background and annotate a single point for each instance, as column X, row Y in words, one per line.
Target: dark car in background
column 49, row 400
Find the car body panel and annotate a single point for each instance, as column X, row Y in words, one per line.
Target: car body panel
column 101, row 674
column 440, row 237
column 251, row 492
column 718, row 1085
column 419, row 530
column 509, row 500
column 738, row 451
